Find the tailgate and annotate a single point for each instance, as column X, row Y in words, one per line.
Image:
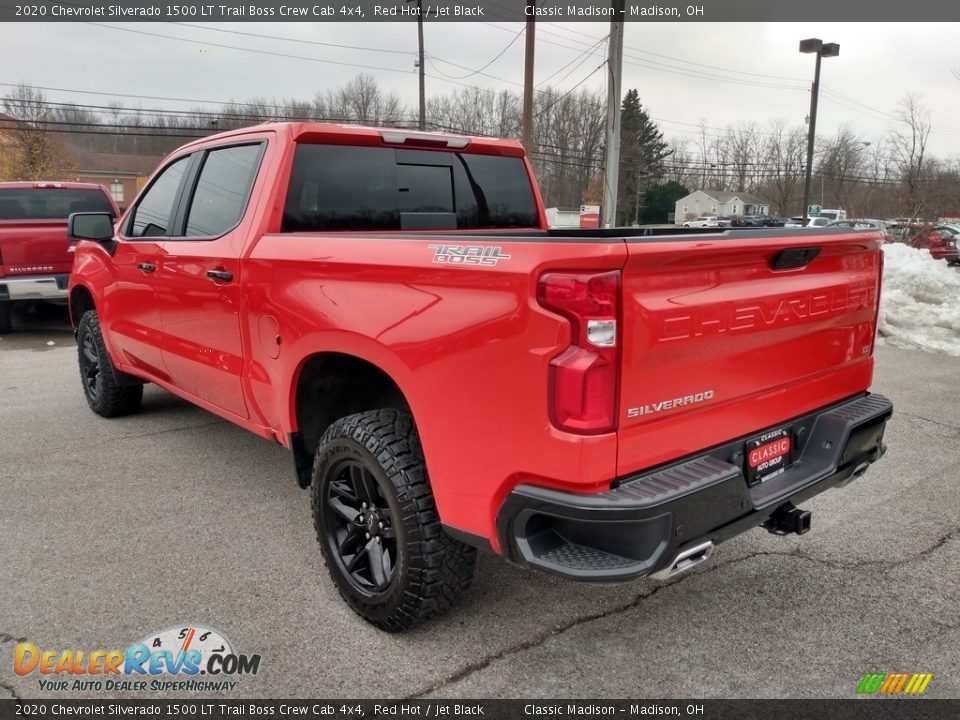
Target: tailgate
column 34, row 247
column 727, row 335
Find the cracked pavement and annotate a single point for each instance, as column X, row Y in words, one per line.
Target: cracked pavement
column 190, row 519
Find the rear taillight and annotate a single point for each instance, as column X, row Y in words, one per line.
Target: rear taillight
column 583, row 378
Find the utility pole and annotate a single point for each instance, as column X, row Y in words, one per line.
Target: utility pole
column 612, row 161
column 528, row 81
column 423, row 86
column 422, row 123
column 636, row 205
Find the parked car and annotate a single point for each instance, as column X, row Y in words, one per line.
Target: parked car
column 818, row 222
column 753, row 220
column 449, row 373
column 774, row 221
column 941, row 240
column 860, row 224
column 704, row 221
column 904, row 231
column 797, row 221
column 35, row 257
column 864, row 224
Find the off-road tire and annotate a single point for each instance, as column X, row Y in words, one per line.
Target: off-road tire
column 430, row 570
column 6, row 316
column 105, row 396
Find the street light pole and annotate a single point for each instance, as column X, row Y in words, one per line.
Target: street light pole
column 822, row 50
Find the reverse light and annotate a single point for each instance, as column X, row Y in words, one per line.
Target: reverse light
column 583, row 378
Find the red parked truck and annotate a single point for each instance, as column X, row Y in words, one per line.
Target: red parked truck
column 35, row 257
column 450, row 374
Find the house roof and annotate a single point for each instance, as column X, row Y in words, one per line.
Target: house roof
column 88, row 161
column 725, row 196
column 7, row 123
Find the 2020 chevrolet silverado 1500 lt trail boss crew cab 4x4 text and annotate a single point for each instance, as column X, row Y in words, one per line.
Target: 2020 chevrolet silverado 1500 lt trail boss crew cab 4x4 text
column 449, row 373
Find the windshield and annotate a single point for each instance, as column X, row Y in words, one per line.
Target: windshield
column 50, row 203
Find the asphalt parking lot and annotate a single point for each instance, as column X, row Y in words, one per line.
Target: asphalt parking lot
column 112, row 529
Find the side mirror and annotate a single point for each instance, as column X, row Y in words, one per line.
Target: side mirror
column 96, row 226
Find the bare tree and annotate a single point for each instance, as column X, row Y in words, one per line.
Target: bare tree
column 908, row 147
column 783, row 159
column 743, row 150
column 34, row 151
column 841, row 163
column 362, row 101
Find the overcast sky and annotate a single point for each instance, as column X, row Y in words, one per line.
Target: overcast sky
column 685, row 72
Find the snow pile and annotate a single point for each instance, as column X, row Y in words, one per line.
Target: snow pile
column 920, row 302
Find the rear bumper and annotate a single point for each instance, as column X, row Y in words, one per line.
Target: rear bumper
column 645, row 521
column 950, row 255
column 39, row 287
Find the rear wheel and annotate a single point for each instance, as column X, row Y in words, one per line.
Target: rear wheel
column 377, row 523
column 105, row 396
column 6, row 312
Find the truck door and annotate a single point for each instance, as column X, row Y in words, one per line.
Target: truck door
column 133, row 317
column 199, row 285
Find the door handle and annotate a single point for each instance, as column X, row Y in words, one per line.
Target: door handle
column 147, row 267
column 220, row 275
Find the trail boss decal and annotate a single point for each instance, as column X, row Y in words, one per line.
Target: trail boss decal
column 468, row 255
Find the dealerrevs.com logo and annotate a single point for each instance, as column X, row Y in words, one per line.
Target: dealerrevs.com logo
column 179, row 659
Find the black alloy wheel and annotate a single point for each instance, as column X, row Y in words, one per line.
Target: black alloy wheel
column 109, row 392
column 377, row 523
column 360, row 528
column 90, row 367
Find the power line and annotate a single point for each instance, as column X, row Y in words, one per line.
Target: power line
column 296, row 40
column 590, row 51
column 587, row 77
column 631, row 59
column 288, row 56
column 480, row 71
column 139, row 97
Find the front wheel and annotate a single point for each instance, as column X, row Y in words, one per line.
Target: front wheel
column 377, row 522
column 6, row 313
column 105, row 396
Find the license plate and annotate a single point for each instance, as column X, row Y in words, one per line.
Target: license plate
column 768, row 455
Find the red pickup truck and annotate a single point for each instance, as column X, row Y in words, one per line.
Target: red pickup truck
column 35, row 256
column 450, row 374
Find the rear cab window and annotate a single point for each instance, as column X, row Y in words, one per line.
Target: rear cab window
column 50, row 203
column 341, row 187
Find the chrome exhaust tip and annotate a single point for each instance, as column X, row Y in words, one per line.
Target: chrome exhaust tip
column 686, row 560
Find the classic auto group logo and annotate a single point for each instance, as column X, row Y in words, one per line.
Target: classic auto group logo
column 172, row 659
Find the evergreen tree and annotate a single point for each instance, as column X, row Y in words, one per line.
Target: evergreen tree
column 659, row 200
column 642, row 152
